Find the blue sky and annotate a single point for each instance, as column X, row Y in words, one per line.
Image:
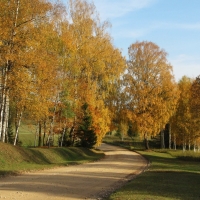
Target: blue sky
column 174, row 25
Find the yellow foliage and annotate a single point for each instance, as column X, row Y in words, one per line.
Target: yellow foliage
column 150, row 90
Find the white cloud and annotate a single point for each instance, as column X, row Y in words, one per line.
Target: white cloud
column 130, row 33
column 171, row 25
column 186, row 65
column 195, row 26
column 109, row 9
column 137, row 32
column 185, row 58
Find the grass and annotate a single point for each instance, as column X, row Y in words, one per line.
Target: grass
column 172, row 175
column 134, row 143
column 15, row 160
column 27, row 135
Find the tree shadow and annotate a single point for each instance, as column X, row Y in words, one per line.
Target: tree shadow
column 167, row 184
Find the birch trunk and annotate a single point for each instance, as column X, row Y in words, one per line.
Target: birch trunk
column 170, row 136
column 162, row 139
column 174, row 142
column 3, row 104
column 8, row 115
column 194, row 146
column 63, row 133
column 52, row 121
column 36, row 133
column 17, row 125
column 51, row 131
column 5, row 117
column 44, row 135
column 184, row 146
column 1, row 113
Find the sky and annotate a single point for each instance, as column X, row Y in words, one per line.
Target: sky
column 174, row 25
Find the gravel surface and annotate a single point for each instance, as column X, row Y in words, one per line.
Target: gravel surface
column 88, row 181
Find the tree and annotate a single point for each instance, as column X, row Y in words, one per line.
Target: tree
column 149, row 88
column 19, row 21
column 195, row 111
column 181, row 121
column 92, row 64
column 86, row 132
column 45, row 53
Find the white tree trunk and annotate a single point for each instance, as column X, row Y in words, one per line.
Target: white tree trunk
column 189, row 146
column 3, row 104
column 1, row 114
column 184, row 146
column 4, row 112
column 5, row 118
column 63, row 133
column 17, row 125
column 174, row 142
column 36, row 134
column 194, row 146
column 170, row 137
column 52, row 121
column 162, row 139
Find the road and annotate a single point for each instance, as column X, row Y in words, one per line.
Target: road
column 88, row 181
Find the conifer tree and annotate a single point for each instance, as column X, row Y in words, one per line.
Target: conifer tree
column 86, row 132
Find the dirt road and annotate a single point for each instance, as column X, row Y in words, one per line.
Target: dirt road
column 88, row 181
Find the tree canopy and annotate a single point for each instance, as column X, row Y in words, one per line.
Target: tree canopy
column 149, row 88
column 55, row 58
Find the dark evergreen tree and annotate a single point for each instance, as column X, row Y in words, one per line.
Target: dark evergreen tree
column 86, row 132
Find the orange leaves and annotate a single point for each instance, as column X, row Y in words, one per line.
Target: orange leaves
column 46, row 52
column 90, row 63
column 149, row 87
column 185, row 122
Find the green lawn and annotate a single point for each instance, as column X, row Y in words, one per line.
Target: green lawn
column 169, row 177
column 27, row 135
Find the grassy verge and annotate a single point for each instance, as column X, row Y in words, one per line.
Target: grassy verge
column 172, row 175
column 15, row 160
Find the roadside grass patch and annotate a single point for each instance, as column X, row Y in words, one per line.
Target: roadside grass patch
column 169, row 177
column 15, row 160
column 186, row 155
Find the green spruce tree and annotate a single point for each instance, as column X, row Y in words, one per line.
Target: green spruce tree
column 86, row 132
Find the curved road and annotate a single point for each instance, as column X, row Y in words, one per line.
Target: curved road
column 88, row 181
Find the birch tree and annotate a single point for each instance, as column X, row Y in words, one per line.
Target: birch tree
column 182, row 120
column 17, row 22
column 149, row 88
column 92, row 64
column 195, row 112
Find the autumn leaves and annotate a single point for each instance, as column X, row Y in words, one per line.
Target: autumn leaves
column 185, row 122
column 149, row 88
column 54, row 60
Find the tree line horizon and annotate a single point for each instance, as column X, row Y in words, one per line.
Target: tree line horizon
column 61, row 72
